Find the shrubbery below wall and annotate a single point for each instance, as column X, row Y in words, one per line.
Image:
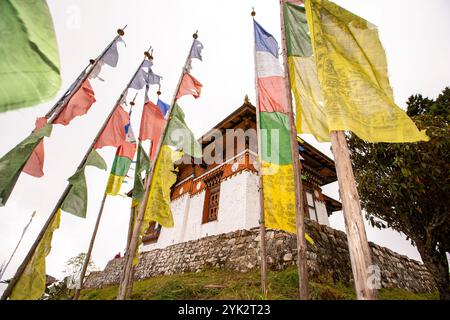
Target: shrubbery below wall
column 239, row 251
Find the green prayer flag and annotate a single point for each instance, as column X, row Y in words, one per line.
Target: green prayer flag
column 95, row 160
column 75, row 201
column 142, row 164
column 29, row 64
column 179, row 135
column 298, row 41
column 12, row 163
column 275, row 138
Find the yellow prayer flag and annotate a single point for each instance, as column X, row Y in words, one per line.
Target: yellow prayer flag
column 164, row 176
column 279, row 198
column 31, row 284
column 351, row 69
column 158, row 205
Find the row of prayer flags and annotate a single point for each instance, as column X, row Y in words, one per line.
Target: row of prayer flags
column 28, row 156
column 116, row 133
column 177, row 136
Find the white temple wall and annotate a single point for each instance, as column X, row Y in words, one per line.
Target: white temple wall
column 238, row 209
column 169, row 236
column 252, row 210
column 234, row 212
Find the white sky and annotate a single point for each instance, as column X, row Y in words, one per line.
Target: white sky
column 414, row 34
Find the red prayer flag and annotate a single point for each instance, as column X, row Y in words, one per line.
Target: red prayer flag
column 272, row 95
column 152, row 125
column 114, row 132
column 35, row 164
column 78, row 105
column 127, row 149
column 189, row 85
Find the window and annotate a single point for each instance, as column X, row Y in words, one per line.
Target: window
column 311, row 206
column 212, row 196
column 152, row 233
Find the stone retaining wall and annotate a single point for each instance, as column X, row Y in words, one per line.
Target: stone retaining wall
column 239, row 251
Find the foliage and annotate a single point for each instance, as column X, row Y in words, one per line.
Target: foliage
column 75, row 264
column 64, row 289
column 237, row 286
column 407, row 185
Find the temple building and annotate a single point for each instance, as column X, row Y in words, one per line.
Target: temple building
column 219, row 194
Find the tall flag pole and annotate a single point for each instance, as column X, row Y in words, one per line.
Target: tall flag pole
column 338, row 72
column 121, row 165
column 161, row 176
column 279, row 149
column 152, row 124
column 262, row 226
column 28, row 156
column 73, row 200
column 299, row 201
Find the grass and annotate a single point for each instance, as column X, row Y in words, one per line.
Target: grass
column 224, row 284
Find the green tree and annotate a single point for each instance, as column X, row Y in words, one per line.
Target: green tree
column 73, row 269
column 407, row 185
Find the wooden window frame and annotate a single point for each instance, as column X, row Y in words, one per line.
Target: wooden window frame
column 152, row 233
column 212, row 185
column 313, row 206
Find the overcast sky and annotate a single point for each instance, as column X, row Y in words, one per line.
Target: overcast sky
column 414, row 34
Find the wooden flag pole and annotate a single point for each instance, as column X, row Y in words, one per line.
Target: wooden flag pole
column 299, row 204
column 58, row 107
column 127, row 269
column 94, row 234
column 356, row 235
column 130, row 226
column 89, row 252
column 129, row 289
column 28, row 257
column 262, row 225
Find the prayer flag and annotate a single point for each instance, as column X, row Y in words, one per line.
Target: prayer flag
column 79, row 104
column 277, row 169
column 29, row 63
column 339, row 76
column 189, row 85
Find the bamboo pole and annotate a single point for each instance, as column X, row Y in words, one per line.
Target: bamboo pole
column 28, row 257
column 356, row 235
column 89, row 252
column 262, row 225
column 18, row 243
column 127, row 270
column 299, row 204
